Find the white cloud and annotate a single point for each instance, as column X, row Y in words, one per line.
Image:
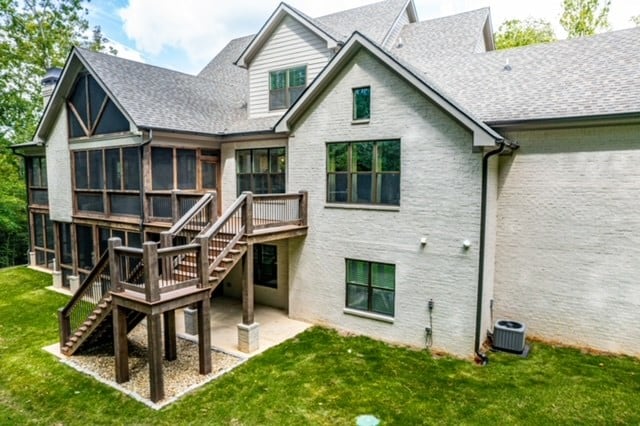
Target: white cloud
column 193, row 31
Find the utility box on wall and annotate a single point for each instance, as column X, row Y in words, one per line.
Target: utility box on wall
column 509, row 336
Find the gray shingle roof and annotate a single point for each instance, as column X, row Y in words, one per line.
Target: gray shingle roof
column 595, row 75
column 589, row 76
column 448, row 36
column 373, row 20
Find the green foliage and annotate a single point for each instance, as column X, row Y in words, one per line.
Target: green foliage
column 516, row 33
column 636, row 20
column 35, row 35
column 13, row 213
column 318, row 378
column 584, row 17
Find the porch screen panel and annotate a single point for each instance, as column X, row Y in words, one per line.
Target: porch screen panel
column 162, row 168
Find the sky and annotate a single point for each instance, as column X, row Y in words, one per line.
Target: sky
column 185, row 35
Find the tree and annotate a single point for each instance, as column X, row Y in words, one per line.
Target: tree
column 584, row 17
column 515, row 33
column 34, row 35
column 636, row 20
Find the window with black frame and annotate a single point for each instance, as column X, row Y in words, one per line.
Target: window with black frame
column 371, row 286
column 364, row 172
column 261, row 171
column 265, row 265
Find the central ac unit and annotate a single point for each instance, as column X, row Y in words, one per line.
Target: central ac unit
column 509, row 336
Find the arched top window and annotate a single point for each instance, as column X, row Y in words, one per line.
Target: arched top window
column 91, row 112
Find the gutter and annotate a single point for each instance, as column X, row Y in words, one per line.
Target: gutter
column 482, row 358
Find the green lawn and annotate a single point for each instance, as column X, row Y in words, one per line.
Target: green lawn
column 318, row 378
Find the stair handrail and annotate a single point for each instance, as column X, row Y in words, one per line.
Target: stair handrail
column 243, row 202
column 207, row 200
column 64, row 314
column 222, row 220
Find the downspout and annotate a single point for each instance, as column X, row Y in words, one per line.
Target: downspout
column 482, row 358
column 142, row 187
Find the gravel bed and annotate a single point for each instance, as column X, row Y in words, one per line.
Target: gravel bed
column 179, row 376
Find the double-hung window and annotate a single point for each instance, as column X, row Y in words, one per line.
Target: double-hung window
column 285, row 86
column 364, row 172
column 371, row 286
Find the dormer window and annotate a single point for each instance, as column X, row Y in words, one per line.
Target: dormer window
column 362, row 103
column 285, row 86
column 91, row 112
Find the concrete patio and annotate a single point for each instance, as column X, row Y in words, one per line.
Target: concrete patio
column 226, row 314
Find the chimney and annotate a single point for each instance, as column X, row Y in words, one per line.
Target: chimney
column 49, row 83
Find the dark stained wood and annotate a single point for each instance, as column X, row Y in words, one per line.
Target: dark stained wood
column 146, row 182
column 247, row 212
column 204, row 336
column 65, row 327
column 203, row 261
column 304, row 199
column 150, row 256
column 175, row 210
column 213, row 206
column 114, row 264
column 170, row 346
column 247, row 286
column 154, row 351
column 120, row 345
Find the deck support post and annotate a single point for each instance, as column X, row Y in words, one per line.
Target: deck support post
column 154, row 339
column 170, row 344
column 120, row 345
column 204, row 336
column 248, row 331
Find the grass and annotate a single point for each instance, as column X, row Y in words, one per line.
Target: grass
column 318, row 378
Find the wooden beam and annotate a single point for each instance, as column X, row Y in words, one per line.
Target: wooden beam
column 120, row 345
column 170, row 346
column 151, row 285
column 114, row 264
column 154, row 350
column 247, row 286
column 204, row 336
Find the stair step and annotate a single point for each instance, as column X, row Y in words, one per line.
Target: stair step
column 219, row 269
column 83, row 328
column 87, row 323
column 234, row 251
column 103, row 305
column 94, row 316
column 73, row 339
column 227, row 260
column 78, row 333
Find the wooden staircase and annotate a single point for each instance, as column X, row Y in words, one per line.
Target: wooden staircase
column 215, row 246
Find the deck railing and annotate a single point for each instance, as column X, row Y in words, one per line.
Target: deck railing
column 193, row 222
column 92, row 290
column 164, row 269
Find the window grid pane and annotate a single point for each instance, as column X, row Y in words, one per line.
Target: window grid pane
column 373, row 172
column 370, row 286
column 261, row 171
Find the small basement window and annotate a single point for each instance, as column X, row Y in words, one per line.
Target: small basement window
column 362, row 103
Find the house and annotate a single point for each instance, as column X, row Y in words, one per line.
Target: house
column 444, row 184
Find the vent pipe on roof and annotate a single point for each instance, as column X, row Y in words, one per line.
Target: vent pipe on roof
column 400, row 42
column 506, row 67
column 49, row 82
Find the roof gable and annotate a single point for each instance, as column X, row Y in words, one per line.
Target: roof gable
column 276, row 18
column 483, row 135
column 74, row 65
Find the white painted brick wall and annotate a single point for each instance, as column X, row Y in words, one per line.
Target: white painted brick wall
column 568, row 241
column 440, row 199
column 59, row 171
